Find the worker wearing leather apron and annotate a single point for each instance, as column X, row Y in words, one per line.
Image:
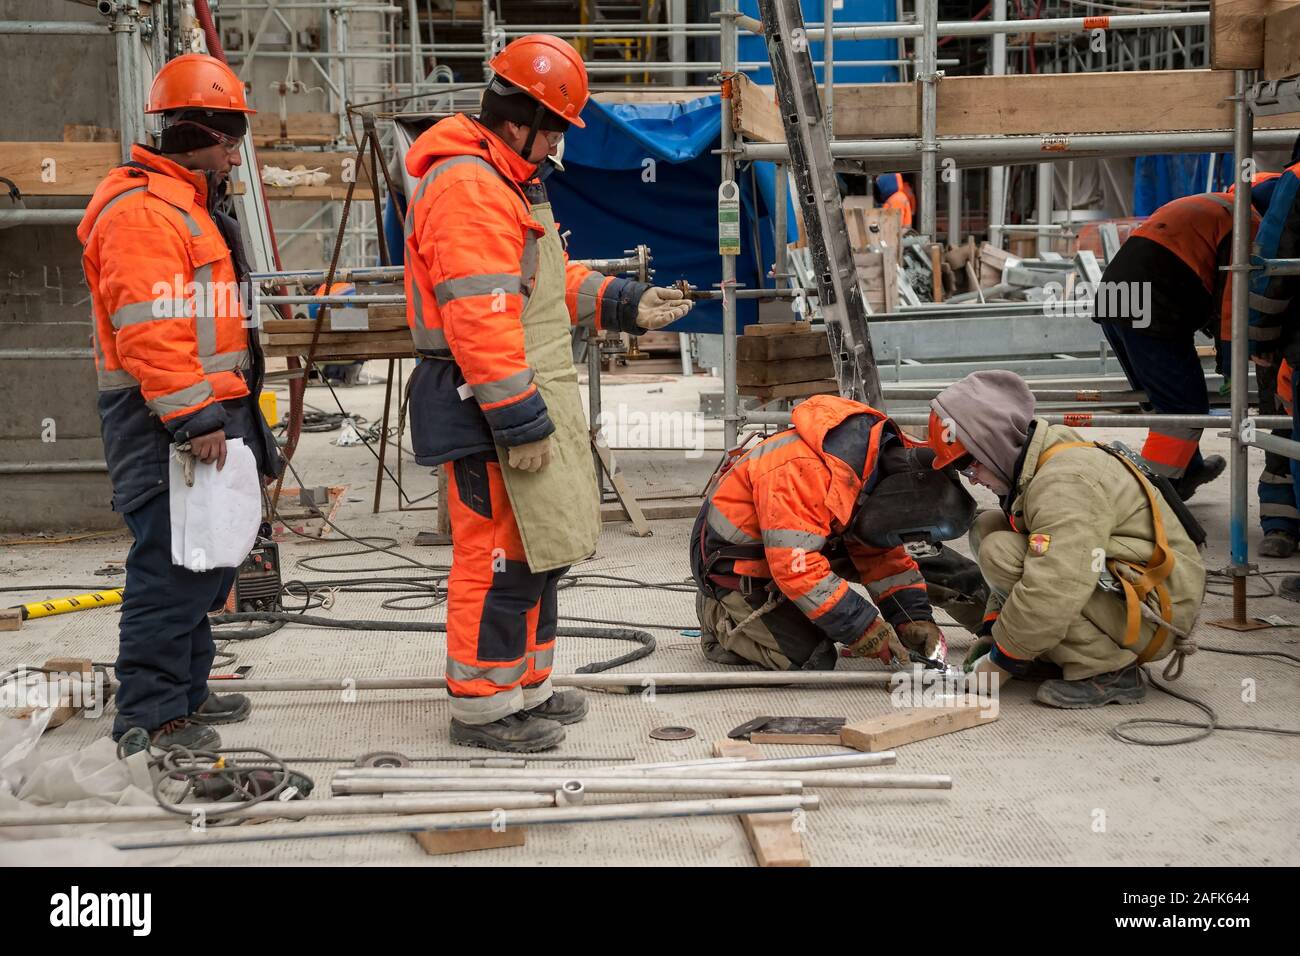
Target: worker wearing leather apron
column 491, row 297
column 177, row 361
column 787, row 523
column 1081, row 544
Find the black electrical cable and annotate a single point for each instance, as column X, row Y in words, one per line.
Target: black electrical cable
column 1201, row 730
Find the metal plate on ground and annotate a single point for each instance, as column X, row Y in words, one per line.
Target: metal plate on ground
column 383, row 758
column 672, row 733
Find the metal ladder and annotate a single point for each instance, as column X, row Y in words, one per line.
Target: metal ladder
column 838, row 292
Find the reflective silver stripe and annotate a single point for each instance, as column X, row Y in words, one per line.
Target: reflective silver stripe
column 1221, row 200
column 487, row 283
column 789, row 538
column 433, row 174
column 821, row 592
column 722, row 526
column 503, row 389
column 1265, row 334
column 771, row 445
column 504, row 675
column 1268, row 478
column 225, row 361
column 139, row 312
column 1178, row 434
column 205, row 323
column 528, row 263
column 189, row 222
column 181, row 399
column 1278, row 511
column 588, row 297
column 113, row 379
column 544, row 657
column 1262, row 303
column 902, row 579
column 428, row 338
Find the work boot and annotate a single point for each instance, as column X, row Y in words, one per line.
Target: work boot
column 563, row 707
column 824, row 657
column 1289, row 588
column 181, row 732
column 715, row 652
column 519, row 733
column 222, row 709
column 1277, row 544
column 1210, row 469
column 1117, row 687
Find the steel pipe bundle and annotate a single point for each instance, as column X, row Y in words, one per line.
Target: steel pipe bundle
column 532, row 781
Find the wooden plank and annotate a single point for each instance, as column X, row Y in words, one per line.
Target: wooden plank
column 818, row 740
column 826, row 386
column 334, row 162
column 891, row 730
column 1237, row 32
column 771, row 836
column 11, row 619
column 441, row 842
column 782, row 372
column 753, row 111
column 766, row 348
column 777, row 328
column 316, row 193
column 879, row 110
column 58, row 169
column 657, row 94
column 305, row 129
column 89, row 133
column 1282, row 44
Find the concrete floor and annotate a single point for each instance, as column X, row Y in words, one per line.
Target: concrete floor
column 1038, row 786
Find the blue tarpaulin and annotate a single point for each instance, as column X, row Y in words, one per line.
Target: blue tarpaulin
column 1164, row 178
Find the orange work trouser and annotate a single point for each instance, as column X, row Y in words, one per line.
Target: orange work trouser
column 500, row 614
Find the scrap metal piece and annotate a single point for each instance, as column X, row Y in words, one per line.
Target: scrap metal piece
column 383, row 758
column 672, row 733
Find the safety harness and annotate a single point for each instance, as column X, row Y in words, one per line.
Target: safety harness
column 1139, row 581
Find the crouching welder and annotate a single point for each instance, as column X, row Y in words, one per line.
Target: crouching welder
column 786, row 522
column 491, row 297
column 177, row 362
column 1089, row 566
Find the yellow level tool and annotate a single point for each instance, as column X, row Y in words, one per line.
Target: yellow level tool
column 66, row 605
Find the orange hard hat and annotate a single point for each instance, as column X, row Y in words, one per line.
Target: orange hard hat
column 197, row 81
column 547, row 69
column 947, row 447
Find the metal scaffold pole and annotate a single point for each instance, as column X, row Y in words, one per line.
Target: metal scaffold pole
column 730, row 419
column 929, row 78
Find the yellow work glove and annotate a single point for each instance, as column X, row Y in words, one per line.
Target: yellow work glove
column 659, row 306
column 531, row 456
column 924, row 637
column 878, row 640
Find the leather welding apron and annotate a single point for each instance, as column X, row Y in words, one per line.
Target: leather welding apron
column 558, row 508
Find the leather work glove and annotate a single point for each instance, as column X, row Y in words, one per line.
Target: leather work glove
column 924, row 637
column 531, row 456
column 880, row 641
column 659, row 306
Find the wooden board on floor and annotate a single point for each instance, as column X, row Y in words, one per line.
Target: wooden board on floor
column 11, row 619
column 772, row 836
column 816, row 740
column 771, row 348
column 786, row 371
column 1237, row 32
column 899, row 727
column 440, row 842
column 1282, row 44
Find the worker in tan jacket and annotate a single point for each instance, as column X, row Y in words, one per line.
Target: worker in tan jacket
column 1089, row 567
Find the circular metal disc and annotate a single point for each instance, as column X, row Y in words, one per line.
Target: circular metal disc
column 673, row 733
column 383, row 758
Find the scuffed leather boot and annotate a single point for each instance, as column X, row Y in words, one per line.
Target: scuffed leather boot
column 563, row 707
column 222, row 709
column 1117, row 687
column 519, row 733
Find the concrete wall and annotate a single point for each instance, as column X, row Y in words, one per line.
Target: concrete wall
column 50, row 81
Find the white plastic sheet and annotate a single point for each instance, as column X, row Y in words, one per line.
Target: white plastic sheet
column 215, row 521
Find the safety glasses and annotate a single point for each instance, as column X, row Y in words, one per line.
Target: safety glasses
column 231, row 143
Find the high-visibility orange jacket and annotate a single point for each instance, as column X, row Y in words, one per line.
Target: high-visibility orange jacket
column 1177, row 255
column 900, row 202
column 172, row 352
column 471, row 259
column 780, row 513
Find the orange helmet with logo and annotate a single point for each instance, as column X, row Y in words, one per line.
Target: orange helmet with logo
column 197, row 81
column 549, row 70
column 943, row 439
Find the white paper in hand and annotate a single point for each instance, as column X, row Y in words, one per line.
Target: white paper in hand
column 214, row 522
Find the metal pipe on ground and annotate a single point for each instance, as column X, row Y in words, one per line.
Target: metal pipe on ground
column 275, row 809
column 549, row 783
column 403, row 780
column 586, row 813
column 792, row 766
column 824, row 762
column 650, row 679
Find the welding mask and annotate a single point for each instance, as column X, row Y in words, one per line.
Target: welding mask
column 911, row 502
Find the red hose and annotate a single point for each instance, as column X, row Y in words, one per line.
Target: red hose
column 297, row 386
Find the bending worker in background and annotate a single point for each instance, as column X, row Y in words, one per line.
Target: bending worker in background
column 177, row 362
column 491, row 298
column 1164, row 285
column 1082, row 543
column 896, row 194
column 785, row 524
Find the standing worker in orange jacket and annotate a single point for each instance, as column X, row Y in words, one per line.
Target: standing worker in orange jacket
column 781, row 530
column 177, row 364
column 896, row 194
column 1165, row 284
column 491, row 297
